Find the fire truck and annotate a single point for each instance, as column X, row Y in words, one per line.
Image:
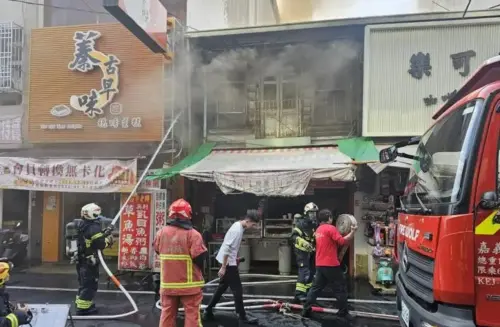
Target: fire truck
column 448, row 239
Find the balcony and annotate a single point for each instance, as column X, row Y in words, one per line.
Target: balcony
column 11, row 57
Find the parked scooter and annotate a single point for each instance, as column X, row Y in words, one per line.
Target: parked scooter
column 14, row 245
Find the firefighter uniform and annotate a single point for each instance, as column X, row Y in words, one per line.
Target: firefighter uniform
column 303, row 242
column 90, row 240
column 182, row 254
column 9, row 316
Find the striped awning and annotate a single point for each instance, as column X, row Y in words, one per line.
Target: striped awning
column 282, row 171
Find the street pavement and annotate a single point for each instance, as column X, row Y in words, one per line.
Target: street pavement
column 62, row 289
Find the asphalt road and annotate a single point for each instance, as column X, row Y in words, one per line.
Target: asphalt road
column 112, row 303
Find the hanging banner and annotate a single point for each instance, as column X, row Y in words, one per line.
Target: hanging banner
column 135, row 233
column 160, row 214
column 68, row 175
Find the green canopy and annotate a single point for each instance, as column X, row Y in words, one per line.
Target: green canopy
column 203, row 151
column 359, row 149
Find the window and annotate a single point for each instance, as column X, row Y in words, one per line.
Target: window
column 231, row 102
column 436, row 176
column 329, row 107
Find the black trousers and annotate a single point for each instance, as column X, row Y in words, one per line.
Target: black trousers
column 325, row 276
column 232, row 280
column 88, row 282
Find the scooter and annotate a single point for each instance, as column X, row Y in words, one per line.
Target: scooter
column 14, row 245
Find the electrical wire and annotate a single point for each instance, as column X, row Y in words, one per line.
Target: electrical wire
column 466, row 8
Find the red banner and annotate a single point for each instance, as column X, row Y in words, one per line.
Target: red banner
column 135, row 229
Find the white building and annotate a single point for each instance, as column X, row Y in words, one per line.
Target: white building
column 16, row 21
column 222, row 14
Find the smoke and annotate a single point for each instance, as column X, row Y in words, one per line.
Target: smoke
column 317, row 67
column 311, row 67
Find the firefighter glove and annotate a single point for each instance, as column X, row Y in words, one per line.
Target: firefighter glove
column 109, row 241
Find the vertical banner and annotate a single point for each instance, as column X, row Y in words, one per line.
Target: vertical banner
column 135, row 233
column 160, row 214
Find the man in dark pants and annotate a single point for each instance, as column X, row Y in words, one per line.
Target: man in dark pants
column 228, row 273
column 328, row 268
column 90, row 240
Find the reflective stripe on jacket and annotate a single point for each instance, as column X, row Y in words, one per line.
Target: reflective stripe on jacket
column 177, row 247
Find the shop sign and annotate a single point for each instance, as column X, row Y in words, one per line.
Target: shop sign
column 279, row 183
column 67, row 175
column 425, row 73
column 135, row 230
column 93, row 104
column 150, row 185
column 160, row 219
column 146, row 19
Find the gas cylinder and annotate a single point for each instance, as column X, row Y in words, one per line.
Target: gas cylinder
column 71, row 236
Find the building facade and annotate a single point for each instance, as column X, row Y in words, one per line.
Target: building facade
column 426, row 67
column 96, row 114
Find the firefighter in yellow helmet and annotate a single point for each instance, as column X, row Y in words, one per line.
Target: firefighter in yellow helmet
column 10, row 316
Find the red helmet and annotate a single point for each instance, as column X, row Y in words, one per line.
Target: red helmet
column 180, row 209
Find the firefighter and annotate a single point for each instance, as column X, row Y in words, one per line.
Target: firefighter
column 90, row 239
column 303, row 243
column 182, row 255
column 11, row 316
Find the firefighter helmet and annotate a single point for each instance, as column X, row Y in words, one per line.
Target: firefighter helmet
column 180, row 209
column 310, row 207
column 5, row 268
column 91, row 211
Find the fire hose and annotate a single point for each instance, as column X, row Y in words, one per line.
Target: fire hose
column 226, row 306
column 113, row 223
column 285, row 307
column 282, row 307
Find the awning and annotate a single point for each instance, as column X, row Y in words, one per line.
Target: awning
column 276, row 172
column 399, row 163
column 189, row 160
column 360, row 149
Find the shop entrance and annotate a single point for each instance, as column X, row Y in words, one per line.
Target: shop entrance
column 15, row 208
column 277, row 223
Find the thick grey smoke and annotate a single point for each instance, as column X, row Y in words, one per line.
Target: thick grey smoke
column 308, row 64
column 318, row 67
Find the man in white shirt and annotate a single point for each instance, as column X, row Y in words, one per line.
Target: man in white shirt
column 228, row 272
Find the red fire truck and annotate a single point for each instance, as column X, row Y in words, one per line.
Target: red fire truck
column 448, row 240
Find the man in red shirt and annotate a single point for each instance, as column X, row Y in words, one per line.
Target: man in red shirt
column 328, row 269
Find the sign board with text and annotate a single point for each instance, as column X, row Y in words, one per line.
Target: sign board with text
column 68, row 175
column 142, row 217
column 92, row 86
column 146, row 19
column 411, row 69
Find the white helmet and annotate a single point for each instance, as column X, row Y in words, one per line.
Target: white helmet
column 91, row 211
column 311, row 206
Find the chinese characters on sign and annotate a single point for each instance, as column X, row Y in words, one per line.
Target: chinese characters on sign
column 120, row 122
column 93, row 104
column 420, row 65
column 68, row 175
column 488, row 259
column 85, row 59
column 461, row 60
column 135, row 227
column 160, row 218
